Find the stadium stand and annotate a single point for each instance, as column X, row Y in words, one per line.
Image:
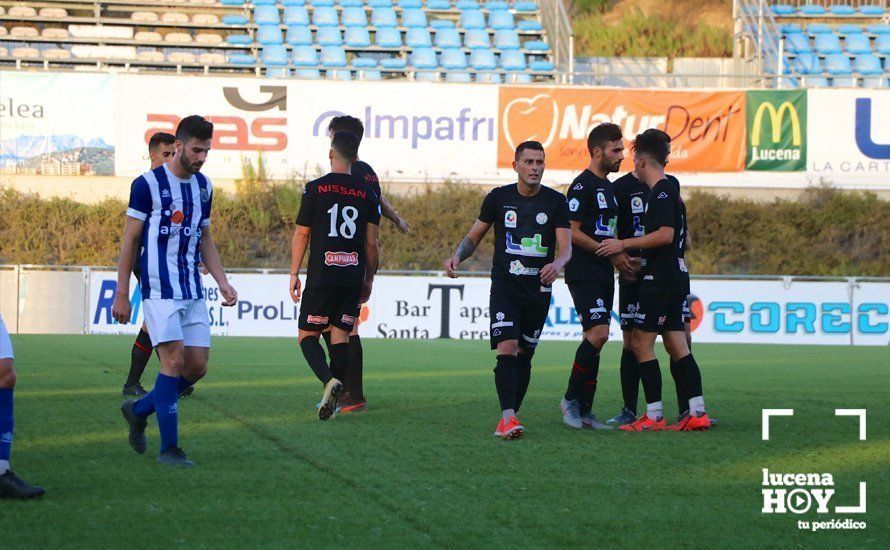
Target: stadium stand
column 429, row 40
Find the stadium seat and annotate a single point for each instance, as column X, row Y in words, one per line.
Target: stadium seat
column 307, row 74
column 208, row 39
column 339, row 75
column 277, row 72
column 812, row 9
column 472, row 19
column 454, row 60
column 296, row 15
column 414, row 18
column 541, row 66
column 783, row 9
column 357, row 37
column 426, row 76
column 237, row 59
column 838, row 9
column 447, row 38
column 268, row 34
column 788, row 28
column 489, row 78
column 235, row 19
column 264, row 2
column 828, row 44
column 239, row 39
column 838, row 64
column 519, row 78
column 380, row 3
column 879, row 29
column 501, row 20
column 56, row 33
column 384, row 18
column 513, row 60
column 467, row 5
column 27, row 53
column 818, row 28
column 797, row 43
column 24, row 32
column 495, row 5
column 206, row 58
column 350, row 4
column 299, row 36
column 529, row 25
column 868, row 65
column 388, row 38
column 857, row 43
column 442, row 24
column 144, row 16
column 439, row 5
column 871, row 10
column 274, row 55
column 525, row 6
column 882, row 45
column 304, row 56
column 322, row 3
column 815, row 82
column 848, row 29
column 205, row 19
column 536, row 46
column 288, row 3
column 354, row 17
column 462, row 76
column 329, row 36
column 232, row 2
column 372, row 74
column 57, row 53
column 410, row 4
column 142, row 36
column 177, row 38
column 22, row 11
column 506, row 40
column 483, row 60
column 423, row 58
column 174, row 17
column 325, row 17
column 807, row 64
column 476, row 39
column 364, row 63
column 53, row 13
column 333, row 56
column 266, row 15
column 418, row 38
column 393, row 63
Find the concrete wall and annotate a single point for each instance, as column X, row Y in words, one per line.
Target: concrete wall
column 36, row 301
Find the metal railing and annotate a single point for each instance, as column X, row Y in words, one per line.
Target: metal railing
column 556, row 22
column 755, row 29
column 826, row 3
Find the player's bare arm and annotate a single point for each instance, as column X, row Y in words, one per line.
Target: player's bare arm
column 120, row 309
column 372, row 258
column 299, row 244
column 663, row 236
column 466, row 247
column 389, row 212
column 212, row 263
column 550, row 272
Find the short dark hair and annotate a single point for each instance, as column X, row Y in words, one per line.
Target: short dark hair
column 653, row 145
column 194, row 126
column 160, row 138
column 602, row 134
column 533, row 145
column 345, row 144
column 346, row 123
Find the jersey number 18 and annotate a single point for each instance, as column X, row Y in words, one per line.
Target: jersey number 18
column 347, row 228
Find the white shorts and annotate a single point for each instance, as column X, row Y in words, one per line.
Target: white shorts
column 172, row 320
column 5, row 342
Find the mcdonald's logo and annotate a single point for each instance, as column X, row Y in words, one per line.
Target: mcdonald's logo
column 776, row 118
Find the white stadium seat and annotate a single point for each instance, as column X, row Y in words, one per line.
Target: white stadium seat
column 178, row 38
column 148, row 36
column 3, row 31
column 205, row 19
column 104, row 31
column 57, row 13
column 144, row 16
column 24, row 32
column 174, row 17
column 181, row 57
column 150, row 57
column 56, row 53
column 22, row 11
column 211, row 58
column 25, row 52
column 54, row 33
column 103, row 52
column 208, row 38
column 3, row 52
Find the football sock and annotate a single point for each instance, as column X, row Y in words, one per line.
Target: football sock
column 139, row 357
column 7, row 425
column 580, row 369
column 354, row 374
column 691, row 375
column 166, row 392
column 588, row 357
column 145, row 405
column 630, row 379
column 339, row 360
column 524, row 376
column 505, row 380
column 327, row 339
column 654, row 410
column 650, row 374
column 680, row 385
column 507, row 414
column 697, row 406
column 184, row 383
column 314, row 355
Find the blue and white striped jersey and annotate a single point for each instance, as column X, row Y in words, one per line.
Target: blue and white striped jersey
column 174, row 212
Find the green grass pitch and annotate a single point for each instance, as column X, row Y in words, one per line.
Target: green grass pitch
column 421, row 465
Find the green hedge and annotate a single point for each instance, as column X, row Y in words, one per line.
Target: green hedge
column 823, row 232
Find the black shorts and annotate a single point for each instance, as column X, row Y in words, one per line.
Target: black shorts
column 628, row 296
column 516, row 318
column 660, row 313
column 593, row 300
column 323, row 307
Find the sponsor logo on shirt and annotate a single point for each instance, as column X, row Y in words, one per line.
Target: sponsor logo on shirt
column 165, row 193
column 682, row 264
column 574, row 204
column 636, row 205
column 205, row 195
column 527, row 246
column 578, row 186
column 317, row 320
column 601, row 200
column 516, row 268
column 177, row 216
column 661, row 320
column 500, row 321
column 541, row 218
column 341, row 190
column 662, row 195
column 510, row 219
column 340, row 259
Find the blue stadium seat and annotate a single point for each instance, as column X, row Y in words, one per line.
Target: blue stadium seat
column 838, row 9
column 483, row 60
column 467, row 5
column 304, row 56
column 350, row 3
column 388, row 38
column 241, row 59
column 447, row 38
column 815, row 82
column 354, row 17
column 797, row 43
column 339, row 75
column 232, row 2
column 268, row 34
column 506, row 40
column 418, row 38
column 277, row 72
column 333, row 56
column 530, row 25
column 525, row 6
column 423, row 58
column 380, row 3
column 536, row 46
column 476, row 39
column 239, row 39
column 235, row 19
column 384, row 18
column 807, row 64
column 370, row 74
column 457, row 77
column 838, row 64
column 414, row 18
column 442, row 23
column 812, row 9
column 871, row 10
column 879, row 29
column 296, row 15
column 357, row 37
column 541, row 66
column 364, row 63
column 307, row 74
column 882, row 45
column 325, row 17
column 513, row 60
column 818, row 28
column 788, row 28
column 783, row 9
column 322, row 3
column 299, row 36
column 489, row 78
column 472, row 19
column 426, row 76
column 868, row 64
column 410, row 4
column 266, row 15
column 848, row 29
column 454, row 60
column 501, row 20
column 496, row 5
column 828, row 44
column 287, row 3
column 328, row 36
column 393, row 63
column 857, row 43
column 264, row 2
column 438, row 5
column 274, row 55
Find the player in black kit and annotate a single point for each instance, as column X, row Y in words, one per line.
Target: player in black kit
column 663, row 290
column 339, row 215
column 529, row 221
column 591, row 278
